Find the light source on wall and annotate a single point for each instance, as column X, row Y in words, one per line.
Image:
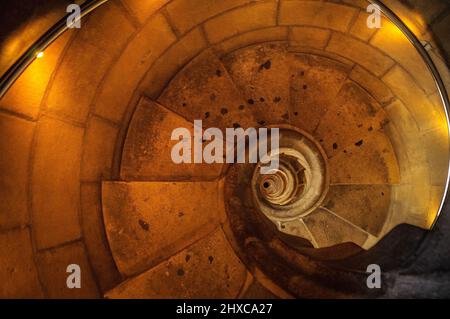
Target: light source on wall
column 39, row 54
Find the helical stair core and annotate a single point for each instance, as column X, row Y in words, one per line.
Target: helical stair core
column 364, row 149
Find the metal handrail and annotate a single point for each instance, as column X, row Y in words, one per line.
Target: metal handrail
column 11, row 75
column 436, row 77
column 61, row 26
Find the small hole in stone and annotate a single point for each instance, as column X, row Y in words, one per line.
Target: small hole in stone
column 266, row 184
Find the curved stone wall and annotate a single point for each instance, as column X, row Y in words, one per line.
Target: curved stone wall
column 68, row 114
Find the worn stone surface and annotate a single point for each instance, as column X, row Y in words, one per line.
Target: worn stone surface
column 407, row 141
column 412, row 205
column 370, row 160
column 309, row 37
column 437, row 150
column 142, row 10
column 141, row 52
column 397, row 46
column 94, row 236
column 147, row 222
column 359, row 27
column 147, row 153
column 207, row 269
column 262, row 74
column 356, row 3
column 98, row 147
column 316, row 13
column 55, row 183
column 257, row 291
column 328, row 229
column 52, row 265
column 412, row 199
column 186, row 14
column 75, row 81
column 372, row 84
column 360, row 52
column 204, row 90
column 18, row 273
column 422, row 110
column 366, row 206
column 353, row 114
column 260, row 14
column 436, row 100
column 270, row 34
column 172, row 61
column 313, row 75
column 409, row 133
column 91, row 54
column 15, row 144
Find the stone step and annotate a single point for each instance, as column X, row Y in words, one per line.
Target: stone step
column 262, row 74
column 328, row 229
column 207, row 269
column 203, row 90
column 366, row 206
column 148, row 147
column 370, row 159
column 315, row 82
column 353, row 114
column 147, row 222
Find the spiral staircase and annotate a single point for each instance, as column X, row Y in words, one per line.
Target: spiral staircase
column 363, row 167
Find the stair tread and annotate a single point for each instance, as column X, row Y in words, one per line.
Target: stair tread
column 262, row 74
column 366, row 206
column 370, row 159
column 207, row 269
column 148, row 146
column 328, row 229
column 349, row 118
column 146, row 222
column 314, row 85
column 203, row 90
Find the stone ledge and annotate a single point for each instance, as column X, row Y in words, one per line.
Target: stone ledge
column 55, row 183
column 317, row 14
column 258, row 15
column 15, row 148
column 52, row 265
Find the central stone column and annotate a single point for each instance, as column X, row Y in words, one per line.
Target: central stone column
column 298, row 186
